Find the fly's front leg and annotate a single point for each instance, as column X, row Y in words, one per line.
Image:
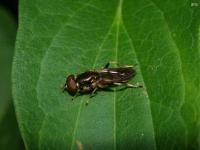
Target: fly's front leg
column 91, row 95
column 76, row 95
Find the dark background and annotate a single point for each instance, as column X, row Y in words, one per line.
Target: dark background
column 11, row 6
column 10, row 138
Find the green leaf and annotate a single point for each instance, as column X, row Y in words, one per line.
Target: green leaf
column 9, row 132
column 58, row 38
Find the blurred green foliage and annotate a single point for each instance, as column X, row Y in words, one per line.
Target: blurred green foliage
column 10, row 138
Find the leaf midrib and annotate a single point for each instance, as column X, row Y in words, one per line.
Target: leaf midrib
column 118, row 21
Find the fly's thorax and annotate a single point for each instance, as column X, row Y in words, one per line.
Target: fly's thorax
column 87, row 77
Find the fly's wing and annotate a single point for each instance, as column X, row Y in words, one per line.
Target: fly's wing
column 119, row 75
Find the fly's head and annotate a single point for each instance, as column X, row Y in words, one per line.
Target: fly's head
column 71, row 85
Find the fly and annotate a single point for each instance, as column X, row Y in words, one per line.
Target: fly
column 91, row 81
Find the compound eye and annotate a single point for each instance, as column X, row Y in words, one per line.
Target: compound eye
column 71, row 85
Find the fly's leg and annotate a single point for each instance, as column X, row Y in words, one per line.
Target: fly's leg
column 133, row 85
column 87, row 102
column 129, row 66
column 93, row 92
column 106, row 66
column 76, row 95
column 130, row 85
column 91, row 95
column 110, row 62
column 63, row 88
column 118, row 83
column 118, row 65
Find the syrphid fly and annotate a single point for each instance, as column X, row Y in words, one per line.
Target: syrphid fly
column 91, row 81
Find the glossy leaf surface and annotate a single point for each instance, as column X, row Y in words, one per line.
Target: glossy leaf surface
column 58, row 38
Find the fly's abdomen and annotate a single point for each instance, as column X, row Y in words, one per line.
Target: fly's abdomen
column 119, row 75
column 123, row 74
column 126, row 73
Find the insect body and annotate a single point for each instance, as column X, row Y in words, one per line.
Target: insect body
column 91, row 81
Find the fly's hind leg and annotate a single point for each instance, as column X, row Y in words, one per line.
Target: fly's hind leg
column 129, row 66
column 118, row 65
column 133, row 85
column 128, row 85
